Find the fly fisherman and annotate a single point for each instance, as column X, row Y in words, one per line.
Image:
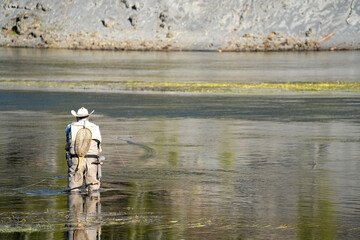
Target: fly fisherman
column 83, row 145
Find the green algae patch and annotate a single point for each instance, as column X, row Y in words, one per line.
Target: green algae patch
column 186, row 87
column 234, row 87
column 312, row 86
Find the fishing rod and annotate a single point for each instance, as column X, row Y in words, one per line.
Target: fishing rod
column 82, row 186
column 99, row 162
column 33, row 184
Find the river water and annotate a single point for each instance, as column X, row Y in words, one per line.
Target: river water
column 183, row 166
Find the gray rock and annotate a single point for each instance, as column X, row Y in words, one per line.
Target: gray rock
column 136, row 6
column 22, row 24
column 134, row 20
column 126, row 3
column 30, row 5
column 108, row 22
column 163, row 17
column 21, row 27
column 170, row 35
column 13, row 5
column 230, row 25
column 309, row 32
column 42, row 7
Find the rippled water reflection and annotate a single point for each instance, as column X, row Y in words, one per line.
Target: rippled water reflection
column 184, row 167
column 176, row 169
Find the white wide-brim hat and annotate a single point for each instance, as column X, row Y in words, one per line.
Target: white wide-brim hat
column 82, row 112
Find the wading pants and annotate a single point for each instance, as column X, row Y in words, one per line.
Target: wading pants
column 87, row 174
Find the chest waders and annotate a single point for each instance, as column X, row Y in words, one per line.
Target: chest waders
column 82, row 143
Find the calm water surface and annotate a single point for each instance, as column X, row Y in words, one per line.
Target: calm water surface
column 30, row 64
column 183, row 167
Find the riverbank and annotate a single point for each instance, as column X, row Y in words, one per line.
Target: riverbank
column 231, row 25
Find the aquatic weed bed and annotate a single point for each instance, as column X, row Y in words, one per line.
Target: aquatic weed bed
column 60, row 221
column 186, row 87
column 31, row 221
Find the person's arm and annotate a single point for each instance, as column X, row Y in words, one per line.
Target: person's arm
column 67, row 131
column 99, row 144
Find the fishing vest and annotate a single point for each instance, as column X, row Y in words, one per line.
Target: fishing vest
column 95, row 131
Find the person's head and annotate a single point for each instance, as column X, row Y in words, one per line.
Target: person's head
column 82, row 113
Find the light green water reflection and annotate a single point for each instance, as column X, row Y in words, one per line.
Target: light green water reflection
column 242, row 179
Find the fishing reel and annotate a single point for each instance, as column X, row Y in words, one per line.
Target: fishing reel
column 100, row 160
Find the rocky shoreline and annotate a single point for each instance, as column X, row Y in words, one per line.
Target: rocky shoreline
column 156, row 25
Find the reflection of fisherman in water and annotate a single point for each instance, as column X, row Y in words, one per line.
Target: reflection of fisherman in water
column 84, row 216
